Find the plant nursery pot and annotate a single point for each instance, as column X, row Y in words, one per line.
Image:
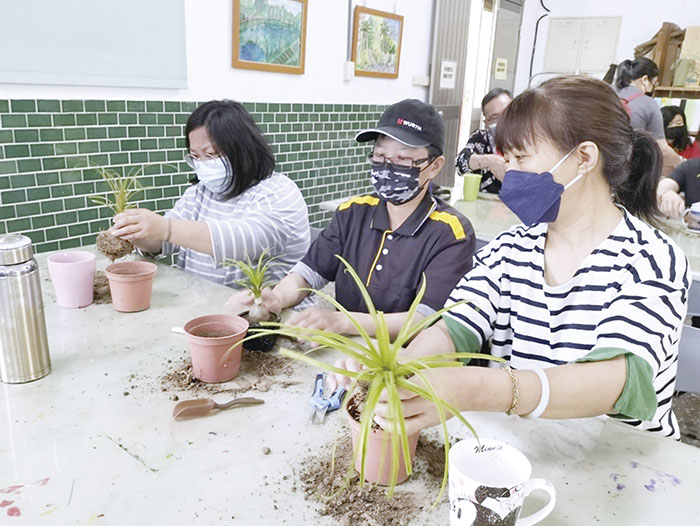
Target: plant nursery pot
column 263, row 343
column 209, row 338
column 131, row 284
column 378, row 455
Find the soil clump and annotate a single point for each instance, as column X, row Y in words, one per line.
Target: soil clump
column 102, row 292
column 112, row 247
column 321, row 477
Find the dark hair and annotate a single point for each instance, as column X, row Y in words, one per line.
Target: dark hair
column 680, row 143
column 569, row 110
column 629, row 70
column 236, row 137
column 492, row 94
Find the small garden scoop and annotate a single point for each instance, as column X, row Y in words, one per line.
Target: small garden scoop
column 203, row 406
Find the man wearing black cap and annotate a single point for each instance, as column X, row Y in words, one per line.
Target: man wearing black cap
column 391, row 238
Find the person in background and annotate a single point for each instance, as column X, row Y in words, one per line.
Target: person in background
column 685, row 178
column 391, row 238
column 479, row 155
column 676, row 131
column 585, row 301
column 635, row 84
column 237, row 208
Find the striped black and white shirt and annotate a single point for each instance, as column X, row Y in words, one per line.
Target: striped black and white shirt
column 630, row 294
column 271, row 215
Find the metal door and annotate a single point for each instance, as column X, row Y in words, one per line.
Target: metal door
column 505, row 44
column 450, row 26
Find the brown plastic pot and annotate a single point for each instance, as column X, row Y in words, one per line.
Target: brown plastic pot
column 378, row 454
column 210, row 337
column 131, row 284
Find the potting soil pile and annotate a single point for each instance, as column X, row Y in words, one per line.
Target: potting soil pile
column 259, row 371
column 102, row 293
column 369, row 506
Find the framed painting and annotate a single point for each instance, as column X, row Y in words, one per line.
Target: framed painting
column 376, row 43
column 269, row 35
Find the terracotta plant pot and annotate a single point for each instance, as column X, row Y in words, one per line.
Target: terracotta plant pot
column 210, row 337
column 263, row 343
column 131, row 283
column 378, row 454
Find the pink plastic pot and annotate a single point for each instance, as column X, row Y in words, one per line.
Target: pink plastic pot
column 378, row 454
column 210, row 337
column 131, row 284
column 73, row 277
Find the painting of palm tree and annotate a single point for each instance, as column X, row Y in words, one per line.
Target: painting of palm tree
column 269, row 35
column 376, row 42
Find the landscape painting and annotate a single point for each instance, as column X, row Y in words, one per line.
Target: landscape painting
column 269, row 35
column 376, row 43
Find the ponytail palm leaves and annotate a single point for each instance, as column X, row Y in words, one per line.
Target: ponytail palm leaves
column 383, row 370
column 255, row 281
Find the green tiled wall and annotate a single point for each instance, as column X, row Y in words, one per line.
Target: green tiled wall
column 45, row 146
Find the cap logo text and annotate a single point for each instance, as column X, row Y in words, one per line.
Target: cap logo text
column 410, row 124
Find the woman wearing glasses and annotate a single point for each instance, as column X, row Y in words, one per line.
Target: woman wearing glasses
column 391, row 238
column 238, row 206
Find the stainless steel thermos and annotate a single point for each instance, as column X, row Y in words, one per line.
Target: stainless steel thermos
column 24, row 348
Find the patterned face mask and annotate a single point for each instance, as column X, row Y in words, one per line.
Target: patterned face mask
column 397, row 185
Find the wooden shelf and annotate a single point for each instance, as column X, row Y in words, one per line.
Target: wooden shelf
column 674, row 91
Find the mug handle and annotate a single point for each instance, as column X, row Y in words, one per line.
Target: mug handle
column 536, row 517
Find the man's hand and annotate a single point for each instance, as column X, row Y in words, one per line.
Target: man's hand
column 323, row 319
column 140, row 224
column 671, row 204
column 496, row 165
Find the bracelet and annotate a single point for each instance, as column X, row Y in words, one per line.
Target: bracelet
column 544, row 396
column 516, row 394
column 169, row 232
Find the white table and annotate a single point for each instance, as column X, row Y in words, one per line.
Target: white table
column 75, row 450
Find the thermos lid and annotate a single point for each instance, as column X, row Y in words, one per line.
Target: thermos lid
column 15, row 249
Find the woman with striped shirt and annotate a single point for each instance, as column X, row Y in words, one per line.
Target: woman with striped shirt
column 585, row 301
column 238, row 207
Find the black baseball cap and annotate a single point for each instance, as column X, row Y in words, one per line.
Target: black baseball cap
column 411, row 122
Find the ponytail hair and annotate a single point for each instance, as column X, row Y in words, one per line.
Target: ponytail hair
column 629, row 70
column 638, row 193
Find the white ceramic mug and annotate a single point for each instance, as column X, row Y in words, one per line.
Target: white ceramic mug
column 489, row 481
column 73, row 277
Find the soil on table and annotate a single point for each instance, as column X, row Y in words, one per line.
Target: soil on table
column 102, row 292
column 259, row 371
column 350, row 504
column 112, row 247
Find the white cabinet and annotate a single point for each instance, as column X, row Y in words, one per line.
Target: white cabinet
column 581, row 44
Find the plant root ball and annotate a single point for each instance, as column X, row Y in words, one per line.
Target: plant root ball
column 113, row 247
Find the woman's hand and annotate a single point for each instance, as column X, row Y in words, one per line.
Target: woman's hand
column 419, row 412
column 671, row 204
column 140, row 224
column 242, row 300
column 335, row 380
column 496, row 165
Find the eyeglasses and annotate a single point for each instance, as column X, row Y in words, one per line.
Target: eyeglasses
column 209, row 160
column 377, row 159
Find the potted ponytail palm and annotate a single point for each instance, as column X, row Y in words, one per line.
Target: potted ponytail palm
column 382, row 370
column 130, row 282
column 255, row 281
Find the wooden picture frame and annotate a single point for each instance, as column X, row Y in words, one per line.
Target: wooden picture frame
column 274, row 50
column 376, row 43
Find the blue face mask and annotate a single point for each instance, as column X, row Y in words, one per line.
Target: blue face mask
column 534, row 197
column 212, row 174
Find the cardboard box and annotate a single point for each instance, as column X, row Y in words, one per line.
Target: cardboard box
column 690, row 50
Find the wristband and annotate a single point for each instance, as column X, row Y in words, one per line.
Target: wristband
column 544, row 396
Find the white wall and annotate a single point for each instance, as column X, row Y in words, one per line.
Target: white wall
column 641, row 19
column 210, row 74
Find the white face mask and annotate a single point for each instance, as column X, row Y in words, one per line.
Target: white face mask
column 212, row 175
